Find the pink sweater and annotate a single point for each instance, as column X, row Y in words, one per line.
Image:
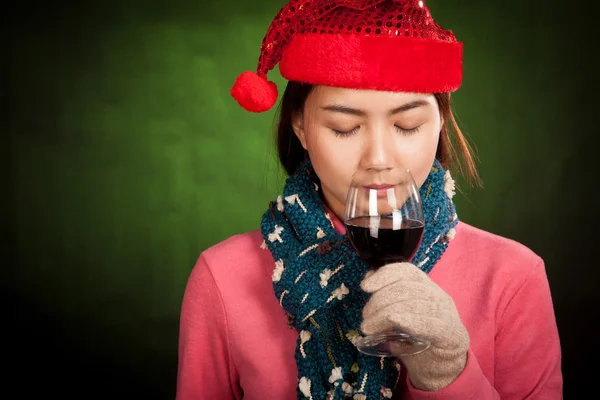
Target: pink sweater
column 235, row 342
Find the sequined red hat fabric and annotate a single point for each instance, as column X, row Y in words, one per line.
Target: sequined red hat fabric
column 392, row 45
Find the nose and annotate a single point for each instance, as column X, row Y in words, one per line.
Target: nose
column 378, row 149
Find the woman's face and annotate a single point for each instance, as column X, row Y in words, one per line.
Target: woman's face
column 344, row 130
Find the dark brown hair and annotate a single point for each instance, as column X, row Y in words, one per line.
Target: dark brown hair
column 453, row 147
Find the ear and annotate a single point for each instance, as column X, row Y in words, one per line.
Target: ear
column 298, row 127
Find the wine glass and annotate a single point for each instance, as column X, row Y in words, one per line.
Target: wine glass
column 384, row 220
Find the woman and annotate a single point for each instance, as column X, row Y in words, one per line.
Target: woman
column 370, row 85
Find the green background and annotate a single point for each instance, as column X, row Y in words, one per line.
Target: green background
column 127, row 157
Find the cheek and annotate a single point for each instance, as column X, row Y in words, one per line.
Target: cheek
column 334, row 161
column 422, row 155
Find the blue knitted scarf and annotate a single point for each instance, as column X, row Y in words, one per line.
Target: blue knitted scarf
column 317, row 279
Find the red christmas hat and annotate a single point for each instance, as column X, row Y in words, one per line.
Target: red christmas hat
column 392, row 45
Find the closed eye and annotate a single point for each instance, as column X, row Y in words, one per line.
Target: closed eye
column 345, row 133
column 403, row 131
column 407, row 131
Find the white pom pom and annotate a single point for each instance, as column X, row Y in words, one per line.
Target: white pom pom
column 449, row 185
column 340, row 292
column 325, row 275
column 347, row 388
column 304, row 386
column 278, row 271
column 336, row 375
column 451, row 234
column 305, row 336
column 320, row 233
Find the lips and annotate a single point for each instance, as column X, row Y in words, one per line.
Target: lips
column 382, row 190
column 378, row 187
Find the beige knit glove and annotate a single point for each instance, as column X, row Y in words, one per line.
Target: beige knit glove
column 404, row 297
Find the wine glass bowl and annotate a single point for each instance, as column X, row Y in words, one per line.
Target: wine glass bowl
column 385, row 224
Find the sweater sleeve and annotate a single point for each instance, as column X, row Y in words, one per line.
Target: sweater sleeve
column 204, row 367
column 527, row 354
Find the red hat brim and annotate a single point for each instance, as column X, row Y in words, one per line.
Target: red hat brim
column 391, row 63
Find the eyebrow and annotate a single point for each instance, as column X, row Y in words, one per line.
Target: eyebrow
column 361, row 113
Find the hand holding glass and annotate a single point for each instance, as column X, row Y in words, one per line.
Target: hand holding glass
column 384, row 220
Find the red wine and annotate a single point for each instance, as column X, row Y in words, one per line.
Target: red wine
column 390, row 245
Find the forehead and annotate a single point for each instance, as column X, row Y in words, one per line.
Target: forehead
column 364, row 99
